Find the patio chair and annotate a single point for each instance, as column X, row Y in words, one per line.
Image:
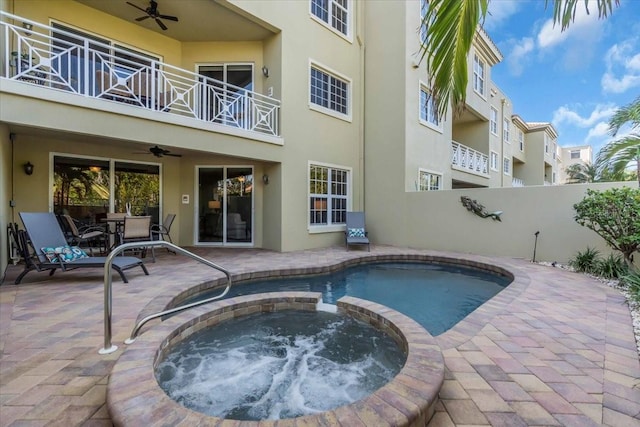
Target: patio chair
column 138, row 229
column 356, row 233
column 89, row 234
column 161, row 231
column 43, row 248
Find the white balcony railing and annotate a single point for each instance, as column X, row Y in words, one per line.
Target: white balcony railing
column 517, row 182
column 469, row 160
column 58, row 60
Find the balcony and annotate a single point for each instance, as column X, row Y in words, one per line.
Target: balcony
column 517, row 182
column 469, row 160
column 57, row 60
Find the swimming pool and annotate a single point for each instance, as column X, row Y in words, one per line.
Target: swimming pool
column 436, row 295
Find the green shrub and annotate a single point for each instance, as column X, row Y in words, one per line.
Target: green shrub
column 585, row 262
column 632, row 281
column 611, row 267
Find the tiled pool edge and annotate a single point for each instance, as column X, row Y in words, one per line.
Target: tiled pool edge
column 135, row 398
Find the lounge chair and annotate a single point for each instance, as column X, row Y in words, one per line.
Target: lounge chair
column 356, row 233
column 42, row 230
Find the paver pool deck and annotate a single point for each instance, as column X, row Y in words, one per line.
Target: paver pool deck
column 554, row 348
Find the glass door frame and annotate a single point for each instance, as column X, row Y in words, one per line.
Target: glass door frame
column 112, row 164
column 197, row 207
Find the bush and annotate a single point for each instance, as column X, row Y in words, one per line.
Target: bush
column 632, row 281
column 615, row 216
column 585, row 262
column 611, row 267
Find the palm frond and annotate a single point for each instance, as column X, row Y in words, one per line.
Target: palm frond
column 629, row 113
column 449, row 36
column 564, row 11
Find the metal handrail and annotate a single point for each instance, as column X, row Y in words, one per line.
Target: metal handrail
column 108, row 304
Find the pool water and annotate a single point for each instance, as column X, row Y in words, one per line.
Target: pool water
column 279, row 365
column 435, row 295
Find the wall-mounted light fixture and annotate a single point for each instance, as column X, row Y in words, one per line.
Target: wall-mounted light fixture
column 28, row 168
column 27, row 28
column 265, row 179
column 265, row 71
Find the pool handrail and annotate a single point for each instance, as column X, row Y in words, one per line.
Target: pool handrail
column 108, row 300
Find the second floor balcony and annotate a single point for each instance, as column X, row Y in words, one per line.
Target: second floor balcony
column 469, row 160
column 55, row 59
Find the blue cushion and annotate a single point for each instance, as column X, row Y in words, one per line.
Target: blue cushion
column 355, row 232
column 50, row 253
column 70, row 253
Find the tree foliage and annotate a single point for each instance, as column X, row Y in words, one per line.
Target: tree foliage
column 451, row 26
column 615, row 216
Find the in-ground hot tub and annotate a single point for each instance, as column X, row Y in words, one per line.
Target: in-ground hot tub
column 135, row 398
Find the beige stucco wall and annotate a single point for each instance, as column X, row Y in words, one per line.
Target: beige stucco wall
column 437, row 220
column 6, row 212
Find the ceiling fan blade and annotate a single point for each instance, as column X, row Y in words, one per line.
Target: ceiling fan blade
column 169, row 18
column 164, row 27
column 173, row 155
column 142, row 18
column 136, row 6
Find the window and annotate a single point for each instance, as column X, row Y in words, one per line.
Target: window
column 546, row 144
column 428, row 112
column 505, row 131
column 493, row 123
column 506, row 166
column 553, row 150
column 334, row 13
column 478, row 75
column 521, row 139
column 429, row 181
column 424, row 26
column 553, row 178
column 575, row 154
column 494, row 161
column 328, row 195
column 329, row 91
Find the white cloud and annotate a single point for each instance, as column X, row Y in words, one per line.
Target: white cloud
column 599, row 131
column 499, row 12
column 519, row 56
column 622, row 67
column 566, row 115
column 583, row 25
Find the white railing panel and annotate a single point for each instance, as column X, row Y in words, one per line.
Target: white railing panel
column 74, row 64
column 469, row 160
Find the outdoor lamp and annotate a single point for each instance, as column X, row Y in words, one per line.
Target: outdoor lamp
column 28, row 168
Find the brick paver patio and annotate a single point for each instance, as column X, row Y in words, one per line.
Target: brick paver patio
column 554, row 348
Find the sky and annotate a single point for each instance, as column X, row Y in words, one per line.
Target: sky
column 574, row 79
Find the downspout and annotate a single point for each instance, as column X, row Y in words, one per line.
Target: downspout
column 361, row 138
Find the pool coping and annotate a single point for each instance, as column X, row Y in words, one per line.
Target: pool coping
column 135, row 398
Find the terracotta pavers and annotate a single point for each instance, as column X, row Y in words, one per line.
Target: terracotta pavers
column 554, row 348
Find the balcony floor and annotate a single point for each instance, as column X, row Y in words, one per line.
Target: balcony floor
column 557, row 348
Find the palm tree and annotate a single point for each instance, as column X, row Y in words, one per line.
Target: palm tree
column 580, row 173
column 618, row 154
column 451, row 27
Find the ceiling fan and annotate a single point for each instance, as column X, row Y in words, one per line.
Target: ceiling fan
column 152, row 12
column 160, row 152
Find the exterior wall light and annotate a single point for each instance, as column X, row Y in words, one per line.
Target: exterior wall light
column 265, row 71
column 28, row 168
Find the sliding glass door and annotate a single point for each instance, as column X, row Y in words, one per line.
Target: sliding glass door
column 87, row 188
column 225, row 205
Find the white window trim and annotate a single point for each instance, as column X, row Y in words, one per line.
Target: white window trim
column 491, row 157
column 346, row 117
column 484, row 75
column 508, row 160
column 520, row 139
column 350, row 10
column 491, row 121
column 438, row 128
column 314, row 229
column 506, row 126
column 431, row 172
column 422, row 39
